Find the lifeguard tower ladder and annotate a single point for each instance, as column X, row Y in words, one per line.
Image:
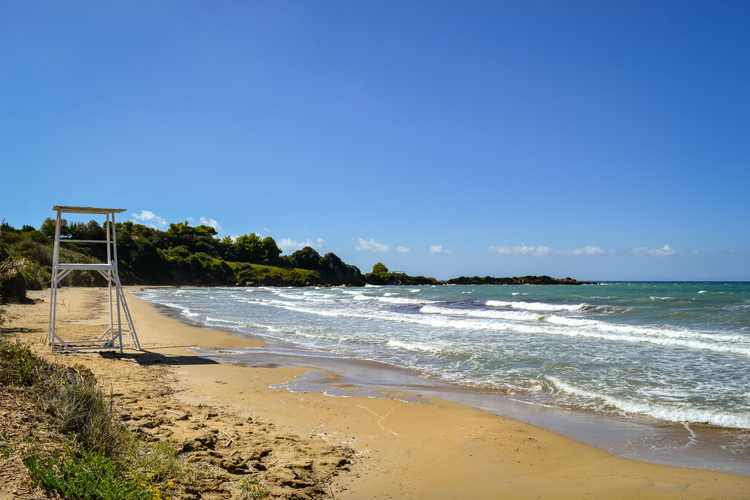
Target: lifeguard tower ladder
column 112, row 337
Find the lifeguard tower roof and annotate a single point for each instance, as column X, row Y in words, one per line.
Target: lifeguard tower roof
column 87, row 210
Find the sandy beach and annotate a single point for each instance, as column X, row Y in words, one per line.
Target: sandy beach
column 343, row 448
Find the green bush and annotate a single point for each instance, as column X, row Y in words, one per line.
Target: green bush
column 88, row 475
column 19, row 366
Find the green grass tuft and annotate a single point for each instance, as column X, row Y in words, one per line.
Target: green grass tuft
column 19, row 366
column 87, row 476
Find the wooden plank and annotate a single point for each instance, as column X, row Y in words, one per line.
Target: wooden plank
column 87, row 210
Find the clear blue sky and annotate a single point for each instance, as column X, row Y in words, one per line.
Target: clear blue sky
column 600, row 140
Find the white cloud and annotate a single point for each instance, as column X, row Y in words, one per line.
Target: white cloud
column 402, row 249
column 539, row 251
column 439, row 249
column 289, row 245
column 588, row 250
column 149, row 218
column 372, row 246
column 664, row 251
column 695, row 251
column 542, row 251
column 212, row 223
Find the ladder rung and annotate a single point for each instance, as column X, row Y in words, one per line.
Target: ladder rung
column 87, row 267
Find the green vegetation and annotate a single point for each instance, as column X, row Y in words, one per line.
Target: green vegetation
column 523, row 280
column 187, row 255
column 181, row 255
column 380, row 275
column 87, row 475
column 19, row 366
column 97, row 457
column 73, row 397
column 251, row 489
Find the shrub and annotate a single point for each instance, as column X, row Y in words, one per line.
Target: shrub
column 88, row 475
column 81, row 408
column 20, row 366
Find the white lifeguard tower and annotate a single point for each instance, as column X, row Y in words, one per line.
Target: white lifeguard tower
column 112, row 337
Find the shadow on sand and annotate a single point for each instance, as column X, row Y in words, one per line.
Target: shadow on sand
column 151, row 357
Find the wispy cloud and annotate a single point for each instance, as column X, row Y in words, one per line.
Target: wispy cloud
column 289, row 245
column 372, row 246
column 664, row 251
column 539, row 251
column 150, row 219
column 210, row 222
column 588, row 250
column 542, row 251
column 403, row 249
column 439, row 249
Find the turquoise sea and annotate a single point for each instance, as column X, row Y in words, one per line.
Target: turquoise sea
column 669, row 352
column 657, row 372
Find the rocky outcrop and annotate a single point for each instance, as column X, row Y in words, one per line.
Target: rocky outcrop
column 523, row 280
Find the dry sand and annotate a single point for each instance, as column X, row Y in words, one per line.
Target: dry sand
column 346, row 448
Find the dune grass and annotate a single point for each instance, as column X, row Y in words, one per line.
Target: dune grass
column 98, row 458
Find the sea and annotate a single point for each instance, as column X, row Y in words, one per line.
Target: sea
column 655, row 355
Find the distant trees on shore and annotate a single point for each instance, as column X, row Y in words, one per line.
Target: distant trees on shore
column 194, row 255
column 181, row 255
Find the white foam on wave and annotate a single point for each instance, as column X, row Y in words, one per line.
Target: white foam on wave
column 513, row 321
column 668, row 336
column 483, row 313
column 211, row 319
column 669, row 299
column 413, row 346
column 183, row 309
column 662, row 411
column 589, row 328
column 537, row 306
column 402, row 300
column 529, row 322
column 388, row 299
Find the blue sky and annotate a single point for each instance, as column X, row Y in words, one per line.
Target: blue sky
column 599, row 140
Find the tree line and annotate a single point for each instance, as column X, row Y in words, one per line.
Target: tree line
column 191, row 255
column 180, row 255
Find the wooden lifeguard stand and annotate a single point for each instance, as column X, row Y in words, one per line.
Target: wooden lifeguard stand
column 112, row 337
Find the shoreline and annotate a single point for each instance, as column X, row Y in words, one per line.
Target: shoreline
column 404, row 450
column 645, row 440
column 641, row 438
